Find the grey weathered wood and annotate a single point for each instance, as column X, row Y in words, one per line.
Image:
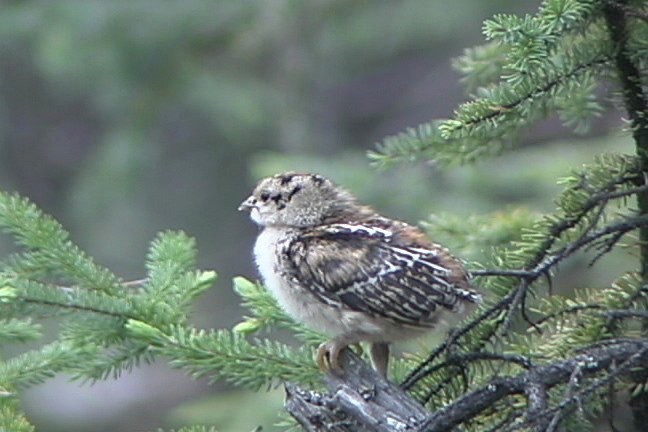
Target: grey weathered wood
column 590, row 362
column 358, row 400
column 314, row 413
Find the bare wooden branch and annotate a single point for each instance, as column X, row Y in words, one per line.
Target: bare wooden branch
column 359, row 399
column 589, row 361
column 314, row 413
column 636, row 103
column 574, row 380
column 537, row 402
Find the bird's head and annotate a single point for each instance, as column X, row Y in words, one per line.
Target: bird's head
column 297, row 200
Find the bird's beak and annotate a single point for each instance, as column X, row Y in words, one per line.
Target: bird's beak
column 247, row 205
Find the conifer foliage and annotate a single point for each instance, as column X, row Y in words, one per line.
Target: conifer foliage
column 528, row 359
column 108, row 326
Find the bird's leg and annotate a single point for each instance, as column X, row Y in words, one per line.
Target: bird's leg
column 328, row 355
column 380, row 357
column 358, row 348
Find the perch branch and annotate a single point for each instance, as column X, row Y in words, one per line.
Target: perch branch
column 632, row 352
column 360, row 400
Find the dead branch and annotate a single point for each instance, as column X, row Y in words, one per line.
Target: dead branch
column 360, row 400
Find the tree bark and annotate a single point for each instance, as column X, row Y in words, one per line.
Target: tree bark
column 637, row 107
column 360, row 400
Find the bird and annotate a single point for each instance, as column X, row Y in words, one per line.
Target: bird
column 339, row 267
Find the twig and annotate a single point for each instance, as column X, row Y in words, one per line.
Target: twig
column 640, row 356
column 592, row 361
column 135, row 283
column 460, row 360
column 76, row 307
column 516, row 297
column 505, row 108
column 568, row 310
column 611, row 394
column 537, row 401
column 540, row 264
column 571, row 389
column 501, row 272
column 606, row 247
column 625, row 313
column 421, row 370
column 519, row 360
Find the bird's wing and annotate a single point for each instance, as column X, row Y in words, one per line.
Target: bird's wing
column 366, row 269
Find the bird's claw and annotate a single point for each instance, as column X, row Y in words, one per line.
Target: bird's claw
column 328, row 356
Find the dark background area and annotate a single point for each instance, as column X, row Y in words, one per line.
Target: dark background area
column 125, row 118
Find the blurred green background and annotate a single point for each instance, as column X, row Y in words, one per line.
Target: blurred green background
column 124, row 118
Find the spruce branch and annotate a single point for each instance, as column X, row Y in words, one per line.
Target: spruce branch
column 483, row 126
column 623, row 313
column 502, row 272
column 515, row 299
column 51, row 296
column 113, row 361
column 125, row 330
column 34, row 367
column 227, row 355
column 15, row 330
column 574, row 396
column 625, row 354
column 636, row 104
column 72, row 306
column 635, row 101
column 554, row 21
column 467, row 121
column 550, row 61
column 377, row 407
column 542, row 256
column 571, row 310
column 49, row 245
column 11, row 419
column 266, row 313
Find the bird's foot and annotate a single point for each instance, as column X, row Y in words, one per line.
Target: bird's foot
column 380, row 357
column 358, row 349
column 328, row 356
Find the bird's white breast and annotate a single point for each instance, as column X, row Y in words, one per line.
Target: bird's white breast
column 266, row 253
column 298, row 303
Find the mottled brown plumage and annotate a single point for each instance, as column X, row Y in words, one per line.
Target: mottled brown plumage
column 341, row 268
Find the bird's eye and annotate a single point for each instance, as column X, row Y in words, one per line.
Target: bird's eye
column 265, row 196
